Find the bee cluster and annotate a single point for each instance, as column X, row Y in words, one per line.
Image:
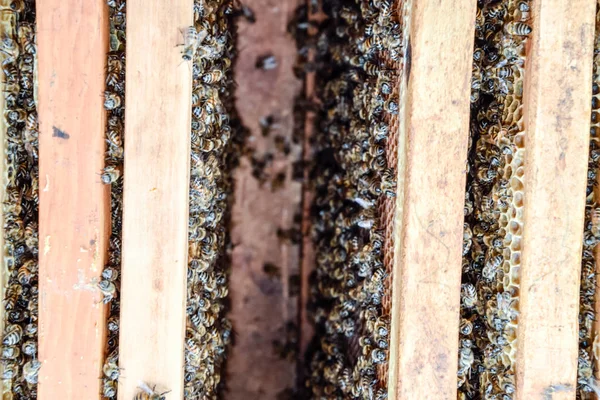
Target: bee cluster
column 588, row 348
column 493, row 203
column 20, row 365
column 114, row 103
column 357, row 49
column 215, row 143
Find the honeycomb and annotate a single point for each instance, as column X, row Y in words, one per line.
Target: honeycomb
column 493, row 203
column 588, row 348
column 358, row 50
column 20, row 365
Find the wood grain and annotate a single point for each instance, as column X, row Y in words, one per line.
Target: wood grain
column 155, row 203
column 557, row 106
column 432, row 152
column 73, row 210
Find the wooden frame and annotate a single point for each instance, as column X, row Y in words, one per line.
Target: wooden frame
column 156, row 187
column 557, row 107
column 73, row 213
column 429, row 229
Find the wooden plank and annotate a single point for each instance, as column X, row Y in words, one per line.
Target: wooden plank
column 432, row 152
column 557, row 107
column 155, row 203
column 73, row 210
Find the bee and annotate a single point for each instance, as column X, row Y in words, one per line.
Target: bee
column 10, row 370
column 148, row 393
column 518, row 29
column 111, row 100
column 266, row 62
column 31, row 370
column 12, row 294
column 24, row 275
column 108, row 290
column 492, row 267
column 111, row 370
column 29, row 348
column 496, row 10
column 110, row 175
column 213, row 76
column 109, row 388
column 110, row 274
column 191, row 40
column 10, row 352
column 247, row 13
column 469, row 295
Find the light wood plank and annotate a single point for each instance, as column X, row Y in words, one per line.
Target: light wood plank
column 557, row 107
column 73, row 213
column 434, row 127
column 155, row 204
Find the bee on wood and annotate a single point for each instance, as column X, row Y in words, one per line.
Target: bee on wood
column 111, row 370
column 191, row 40
column 148, row 393
column 108, row 290
column 110, row 175
column 266, row 62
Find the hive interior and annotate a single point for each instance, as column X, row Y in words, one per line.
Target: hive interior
column 355, row 50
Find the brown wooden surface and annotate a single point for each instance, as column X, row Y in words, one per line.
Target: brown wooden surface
column 263, row 304
column 155, row 204
column 73, row 213
column 434, row 127
column 557, row 105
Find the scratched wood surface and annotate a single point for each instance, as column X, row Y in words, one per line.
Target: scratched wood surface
column 266, row 211
column 155, row 202
column 73, row 209
column 557, row 107
column 434, row 127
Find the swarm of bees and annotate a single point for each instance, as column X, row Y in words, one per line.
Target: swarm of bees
column 588, row 346
column 115, row 109
column 19, row 341
column 215, row 138
column 358, row 49
column 494, row 203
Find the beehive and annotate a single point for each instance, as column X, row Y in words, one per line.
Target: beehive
column 332, row 201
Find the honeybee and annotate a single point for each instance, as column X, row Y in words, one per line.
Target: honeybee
column 31, row 370
column 30, row 348
column 111, row 370
column 111, row 100
column 191, row 40
column 518, row 28
column 108, row 290
column 109, row 388
column 110, row 174
column 148, row 393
